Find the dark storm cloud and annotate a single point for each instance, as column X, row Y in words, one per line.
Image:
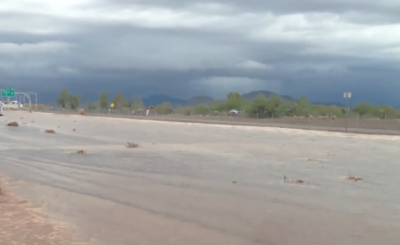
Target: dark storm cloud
column 390, row 8
column 186, row 48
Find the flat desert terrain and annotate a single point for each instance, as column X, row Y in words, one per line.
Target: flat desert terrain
column 204, row 184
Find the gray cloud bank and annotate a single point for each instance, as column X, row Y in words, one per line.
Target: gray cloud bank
column 185, row 48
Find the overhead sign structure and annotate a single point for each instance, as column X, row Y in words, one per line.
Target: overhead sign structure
column 8, row 92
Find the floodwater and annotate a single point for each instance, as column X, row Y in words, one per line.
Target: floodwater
column 204, row 184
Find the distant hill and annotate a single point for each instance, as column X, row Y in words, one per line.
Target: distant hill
column 329, row 104
column 197, row 100
column 254, row 94
column 158, row 99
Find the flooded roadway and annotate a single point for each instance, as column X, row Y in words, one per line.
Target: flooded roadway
column 205, row 184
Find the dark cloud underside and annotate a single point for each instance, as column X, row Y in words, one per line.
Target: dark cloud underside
column 185, row 48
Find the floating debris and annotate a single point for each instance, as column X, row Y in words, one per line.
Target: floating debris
column 132, row 145
column 81, row 152
column 353, row 177
column 49, row 131
column 286, row 179
column 12, row 124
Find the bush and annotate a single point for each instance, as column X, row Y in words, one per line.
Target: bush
column 81, row 111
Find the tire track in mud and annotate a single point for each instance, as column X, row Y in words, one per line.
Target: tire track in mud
column 66, row 185
column 257, row 193
column 62, row 184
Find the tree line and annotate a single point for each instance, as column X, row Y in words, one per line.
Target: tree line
column 261, row 106
column 71, row 101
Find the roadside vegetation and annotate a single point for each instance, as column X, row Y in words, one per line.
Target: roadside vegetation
column 260, row 107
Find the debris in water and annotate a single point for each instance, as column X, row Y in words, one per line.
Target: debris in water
column 13, row 124
column 286, row 179
column 353, row 177
column 81, row 152
column 313, row 160
column 132, row 145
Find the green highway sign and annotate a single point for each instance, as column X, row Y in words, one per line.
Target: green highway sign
column 8, row 92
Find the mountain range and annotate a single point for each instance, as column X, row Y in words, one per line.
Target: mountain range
column 197, row 100
column 158, row 99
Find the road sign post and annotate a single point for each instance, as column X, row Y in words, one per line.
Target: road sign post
column 8, row 92
column 347, row 96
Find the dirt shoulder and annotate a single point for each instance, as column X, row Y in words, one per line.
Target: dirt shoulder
column 21, row 223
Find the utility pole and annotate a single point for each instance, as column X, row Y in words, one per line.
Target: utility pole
column 346, row 96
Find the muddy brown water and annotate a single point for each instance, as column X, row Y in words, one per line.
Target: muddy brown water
column 191, row 183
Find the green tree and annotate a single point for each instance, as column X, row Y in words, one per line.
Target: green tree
column 257, row 107
column 320, row 110
column 303, row 102
column 164, row 108
column 335, row 111
column 137, row 104
column 303, row 107
column 103, row 100
column 364, row 109
column 274, row 106
column 63, row 99
column 90, row 105
column 388, row 112
column 291, row 109
column 187, row 110
column 202, row 109
column 74, row 101
column 217, row 106
column 120, row 101
column 233, row 101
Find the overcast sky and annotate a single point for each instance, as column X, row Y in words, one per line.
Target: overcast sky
column 319, row 48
